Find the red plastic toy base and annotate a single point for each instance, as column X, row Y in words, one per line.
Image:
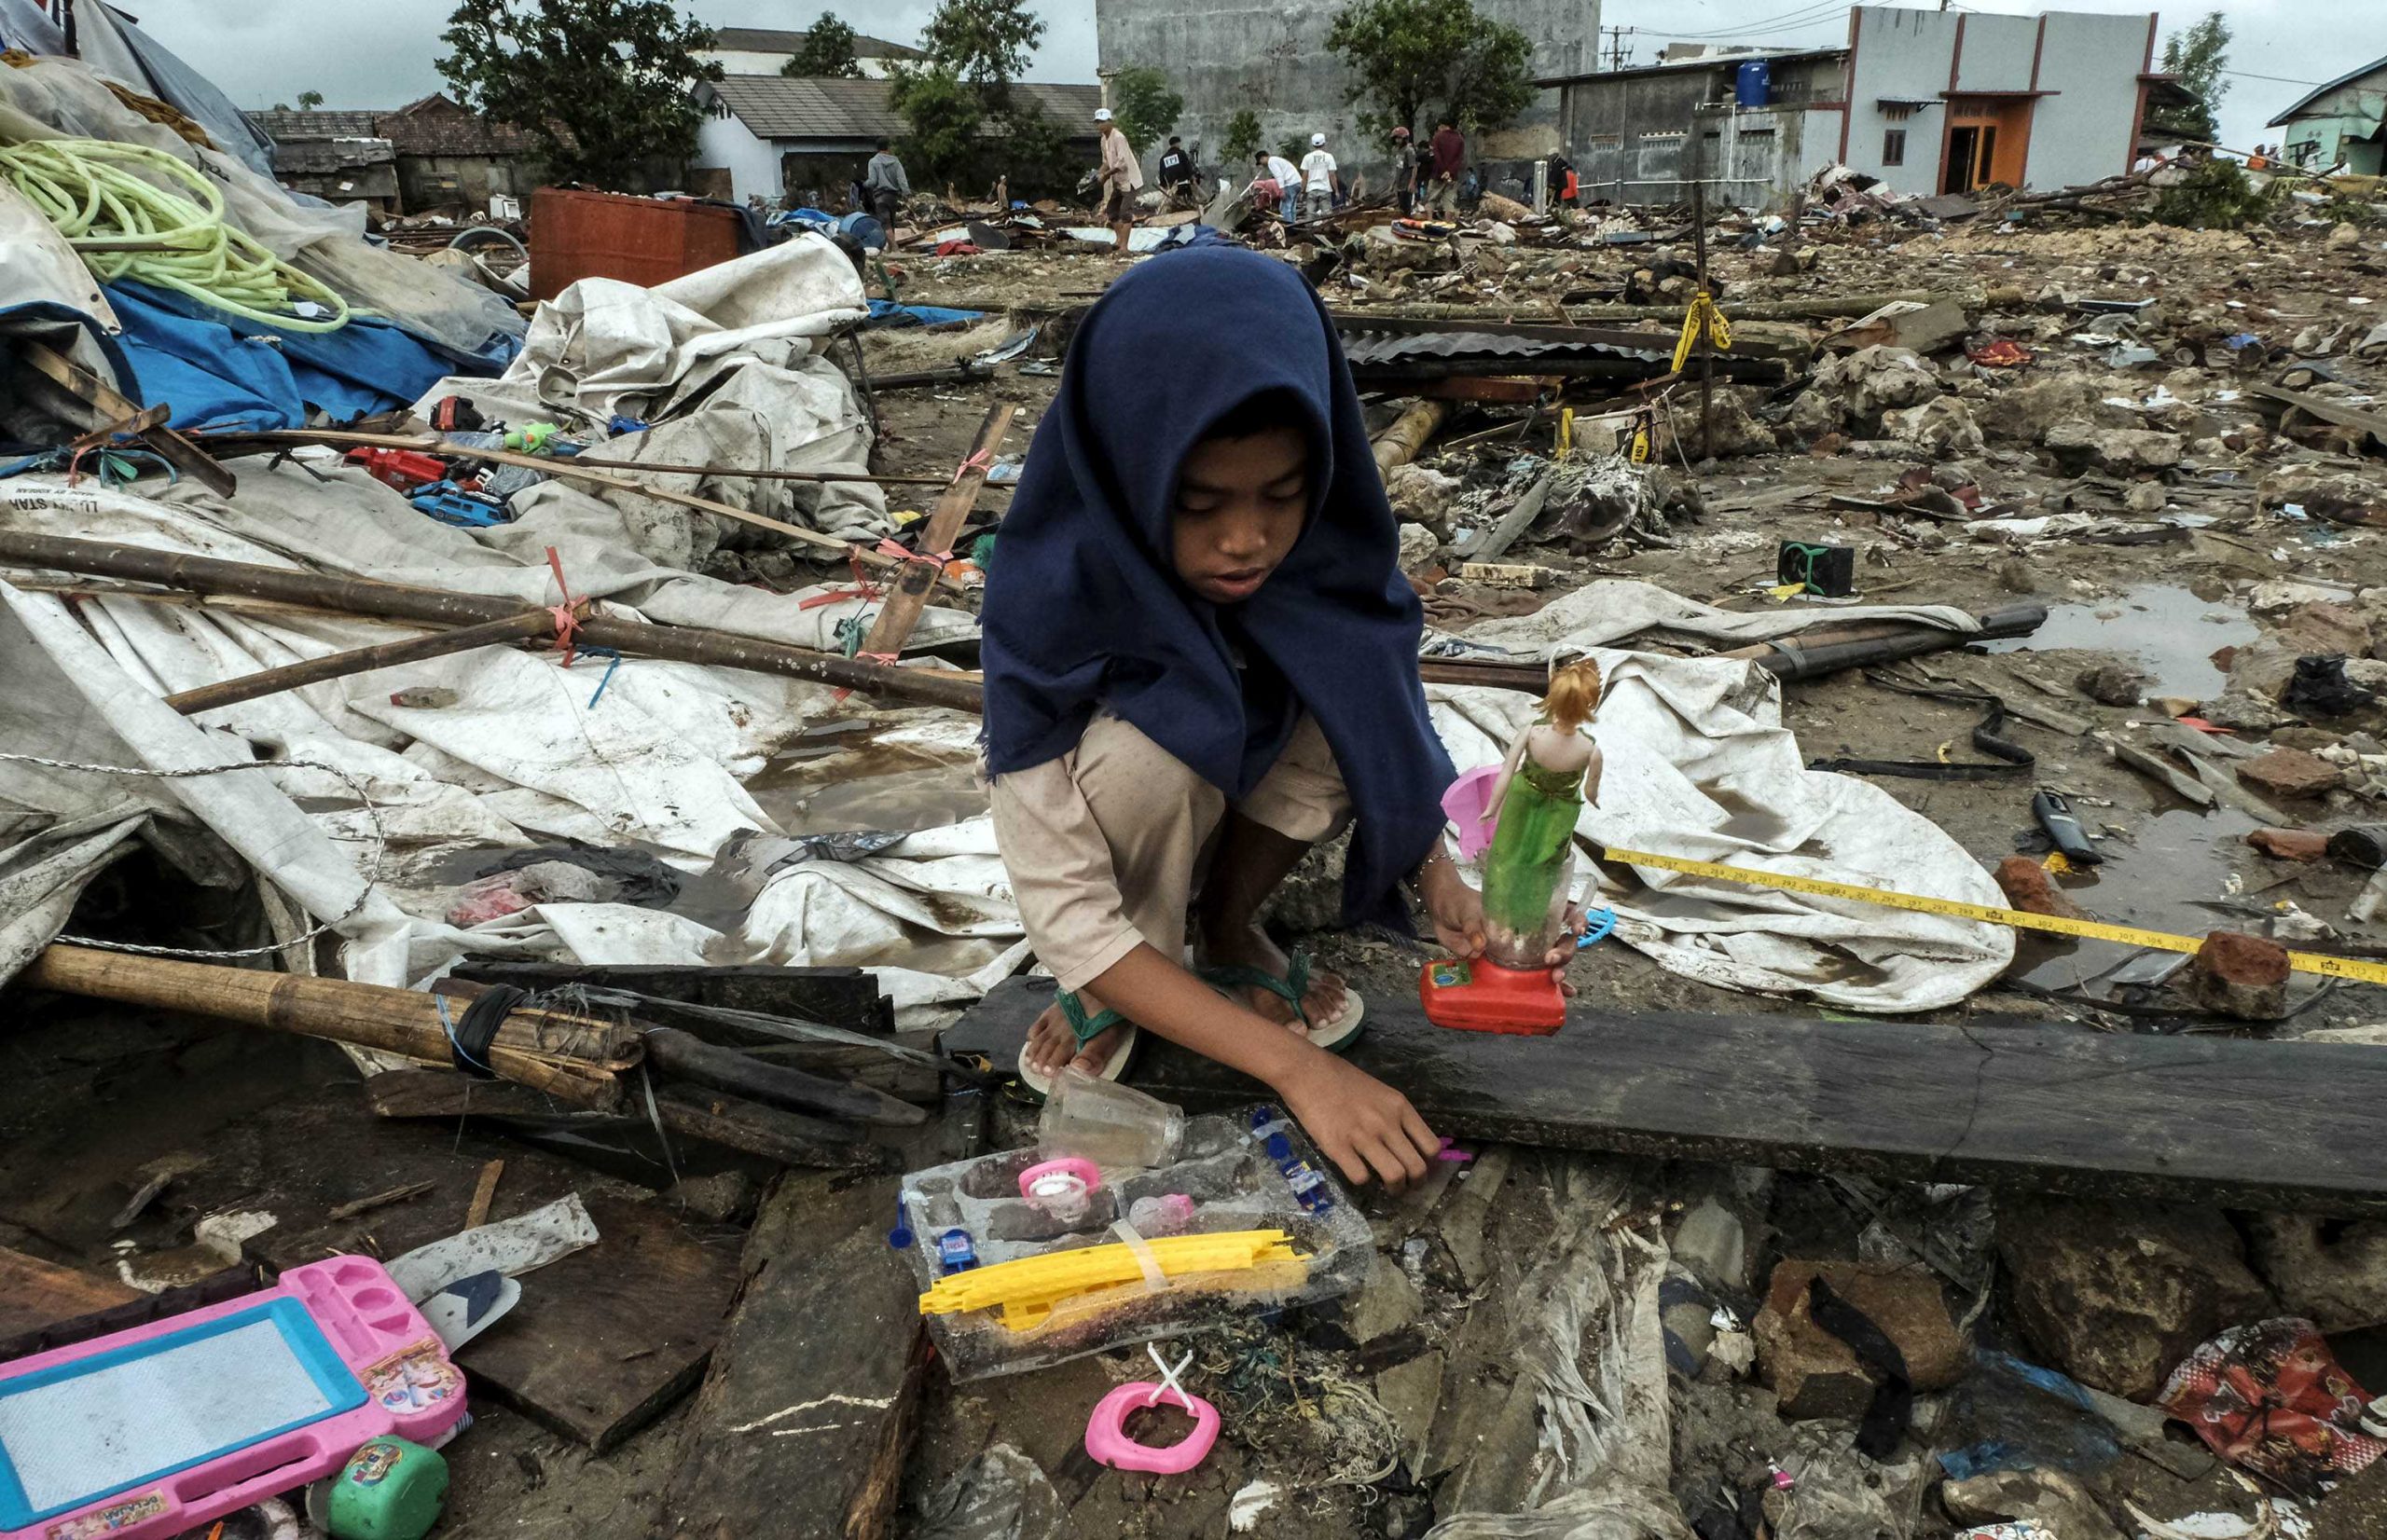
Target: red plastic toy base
column 1484, row 997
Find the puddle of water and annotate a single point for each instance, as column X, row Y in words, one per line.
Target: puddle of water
column 2172, row 632
column 2153, row 879
column 874, row 788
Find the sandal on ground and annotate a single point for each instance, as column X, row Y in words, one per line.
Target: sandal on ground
column 1333, row 1034
column 1086, row 1029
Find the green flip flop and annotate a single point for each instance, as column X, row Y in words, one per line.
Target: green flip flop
column 1332, row 1034
column 1086, row 1028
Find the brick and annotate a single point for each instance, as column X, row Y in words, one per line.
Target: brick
column 2289, row 773
column 2290, row 844
column 2240, row 975
column 2029, row 888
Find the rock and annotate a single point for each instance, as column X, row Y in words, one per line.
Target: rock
column 1687, row 1317
column 2332, row 1272
column 2055, row 1501
column 2112, row 683
column 1410, row 1393
column 2240, row 975
column 1418, row 546
column 1872, row 380
column 2017, row 576
column 2029, row 888
column 2146, row 497
column 2326, row 628
column 1815, row 1374
column 1782, row 265
column 2025, row 414
column 2290, row 844
column 1735, row 432
column 2358, row 1510
column 2289, row 773
column 1386, row 1302
column 1420, row 496
column 1813, row 415
column 2313, row 739
column 2344, row 237
column 2117, row 1294
column 1943, row 426
column 1712, row 1244
column 727, row 1197
column 2244, row 711
column 2123, row 451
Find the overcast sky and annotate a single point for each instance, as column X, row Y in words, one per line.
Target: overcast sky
column 379, row 53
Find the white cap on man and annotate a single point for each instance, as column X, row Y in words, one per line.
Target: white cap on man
column 1318, row 140
column 1102, row 114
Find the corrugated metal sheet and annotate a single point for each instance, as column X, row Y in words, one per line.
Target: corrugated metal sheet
column 1365, row 343
column 776, row 107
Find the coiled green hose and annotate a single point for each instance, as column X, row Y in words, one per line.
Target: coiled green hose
column 126, row 227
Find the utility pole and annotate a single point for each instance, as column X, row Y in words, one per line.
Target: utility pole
column 1616, row 36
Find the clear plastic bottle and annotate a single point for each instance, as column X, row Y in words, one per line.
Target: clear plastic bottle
column 1113, row 1126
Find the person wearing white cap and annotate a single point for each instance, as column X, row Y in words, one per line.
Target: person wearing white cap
column 1120, row 178
column 1321, row 183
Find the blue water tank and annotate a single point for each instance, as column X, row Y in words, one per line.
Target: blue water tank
column 1754, row 86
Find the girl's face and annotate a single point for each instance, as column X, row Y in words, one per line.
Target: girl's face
column 1240, row 506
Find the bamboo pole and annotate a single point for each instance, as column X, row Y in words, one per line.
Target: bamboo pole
column 236, row 442
column 363, row 660
column 401, row 601
column 1409, row 434
column 570, row 1057
column 901, row 611
column 564, row 466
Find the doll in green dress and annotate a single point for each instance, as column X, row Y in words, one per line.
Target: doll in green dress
column 1549, row 773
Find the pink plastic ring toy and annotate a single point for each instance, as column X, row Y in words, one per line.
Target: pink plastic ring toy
column 1042, row 1184
column 1106, row 1434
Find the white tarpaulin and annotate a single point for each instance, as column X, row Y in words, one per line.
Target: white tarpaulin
column 1607, row 613
column 1699, row 766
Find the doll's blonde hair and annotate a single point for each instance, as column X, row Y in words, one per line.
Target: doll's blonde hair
column 1574, row 694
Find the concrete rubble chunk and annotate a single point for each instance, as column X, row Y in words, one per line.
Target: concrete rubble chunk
column 2290, row 773
column 1815, row 1374
column 2333, row 1272
column 2117, row 1294
column 1943, row 426
column 1712, row 1245
column 2326, row 628
column 1871, row 381
column 2119, row 451
column 2241, row 976
column 2356, row 1510
column 2112, row 683
column 2028, row 412
column 1418, row 546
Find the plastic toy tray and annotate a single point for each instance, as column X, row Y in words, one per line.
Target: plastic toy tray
column 1234, row 1186
column 162, row 1427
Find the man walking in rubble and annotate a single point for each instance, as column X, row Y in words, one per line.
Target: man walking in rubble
column 1120, row 178
column 1322, row 180
column 1404, row 170
column 1448, row 152
column 887, row 187
column 1177, row 174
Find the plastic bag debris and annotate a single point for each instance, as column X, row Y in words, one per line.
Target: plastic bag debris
column 1003, row 1495
column 2270, row 1398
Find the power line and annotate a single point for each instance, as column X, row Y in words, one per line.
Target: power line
column 2249, row 74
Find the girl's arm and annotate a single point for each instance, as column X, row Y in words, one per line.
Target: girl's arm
column 1357, row 1121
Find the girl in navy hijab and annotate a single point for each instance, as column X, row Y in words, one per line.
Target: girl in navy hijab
column 1201, row 659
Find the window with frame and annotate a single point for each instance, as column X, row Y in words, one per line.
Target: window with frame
column 1894, row 147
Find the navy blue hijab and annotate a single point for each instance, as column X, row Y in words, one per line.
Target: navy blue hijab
column 1084, row 609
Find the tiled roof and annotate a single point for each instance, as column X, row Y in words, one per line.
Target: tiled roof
column 771, row 40
column 316, row 125
column 774, row 106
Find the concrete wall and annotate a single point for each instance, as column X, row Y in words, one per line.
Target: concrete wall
column 754, row 164
column 2087, row 131
column 1225, row 56
column 1636, row 127
column 1999, row 52
column 1901, row 53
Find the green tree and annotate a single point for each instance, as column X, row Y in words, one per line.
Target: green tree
column 828, row 52
column 1407, row 55
column 1243, row 137
column 1145, row 107
column 985, row 42
column 602, row 84
column 943, row 112
column 1031, row 151
column 2197, row 57
column 310, row 101
column 282, row 106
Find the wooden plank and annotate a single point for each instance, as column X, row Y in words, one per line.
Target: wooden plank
column 483, row 1195
column 803, row 1419
column 621, row 1330
column 2286, row 1125
column 363, row 660
column 901, row 611
column 185, row 454
column 34, row 1294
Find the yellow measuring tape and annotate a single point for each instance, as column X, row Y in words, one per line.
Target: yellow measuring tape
column 2303, row 962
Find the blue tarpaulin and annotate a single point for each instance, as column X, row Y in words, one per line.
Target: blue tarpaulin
column 217, row 370
column 885, row 312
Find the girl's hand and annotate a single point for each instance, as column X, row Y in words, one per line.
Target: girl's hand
column 1455, row 909
column 1361, row 1124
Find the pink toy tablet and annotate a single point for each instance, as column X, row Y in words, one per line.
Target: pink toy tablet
column 161, row 1428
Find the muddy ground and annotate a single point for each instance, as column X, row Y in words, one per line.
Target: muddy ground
column 1379, row 1414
